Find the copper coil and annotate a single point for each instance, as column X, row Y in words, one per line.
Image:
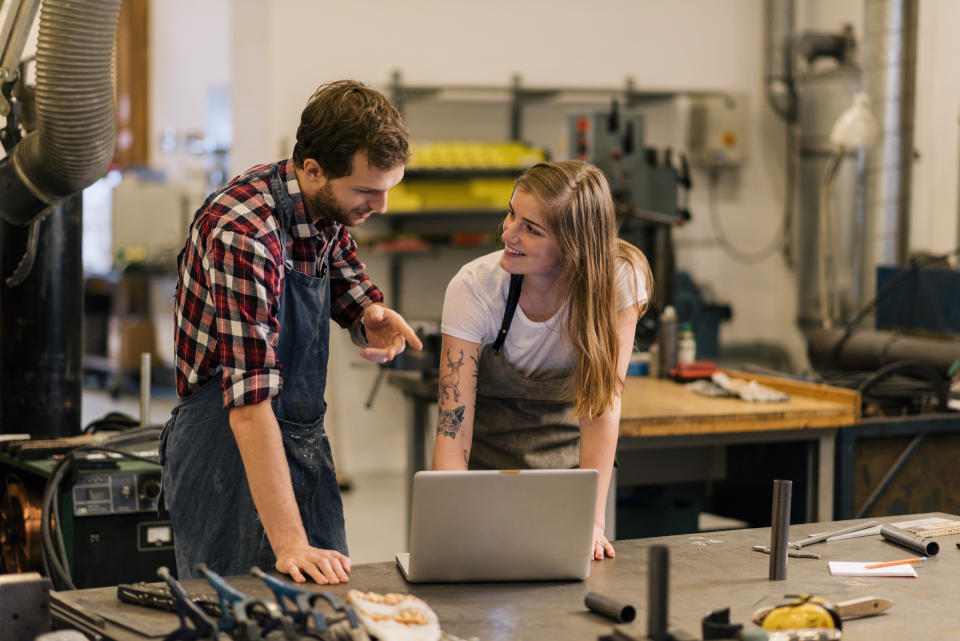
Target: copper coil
column 20, row 527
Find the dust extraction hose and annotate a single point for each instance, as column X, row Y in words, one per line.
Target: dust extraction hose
column 74, row 141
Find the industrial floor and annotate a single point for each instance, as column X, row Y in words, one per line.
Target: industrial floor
column 374, row 507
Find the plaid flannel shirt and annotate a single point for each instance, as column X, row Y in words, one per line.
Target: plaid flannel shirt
column 231, row 278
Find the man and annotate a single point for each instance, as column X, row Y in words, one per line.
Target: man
column 248, row 473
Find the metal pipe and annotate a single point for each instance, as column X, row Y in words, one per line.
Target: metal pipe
column 145, row 388
column 41, row 338
column 780, row 529
column 868, row 350
column 614, row 610
column 890, row 53
column 910, row 541
column 778, row 61
column 658, row 592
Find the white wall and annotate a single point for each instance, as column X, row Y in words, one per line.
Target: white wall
column 279, row 52
column 189, row 53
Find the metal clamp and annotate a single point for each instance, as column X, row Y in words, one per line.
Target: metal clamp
column 200, row 627
column 304, row 602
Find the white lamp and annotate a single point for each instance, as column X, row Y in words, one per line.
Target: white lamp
column 856, row 128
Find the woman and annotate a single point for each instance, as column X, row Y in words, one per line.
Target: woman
column 537, row 337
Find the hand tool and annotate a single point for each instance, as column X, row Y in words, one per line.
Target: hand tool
column 817, row 538
column 794, row 553
column 916, row 543
column 888, row 564
column 853, row 608
column 305, row 608
column 246, row 619
column 200, row 626
column 804, row 611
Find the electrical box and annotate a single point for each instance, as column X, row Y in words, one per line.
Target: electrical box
column 717, row 131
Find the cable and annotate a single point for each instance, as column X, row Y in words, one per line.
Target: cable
column 748, row 258
column 915, row 369
column 891, row 284
column 50, row 553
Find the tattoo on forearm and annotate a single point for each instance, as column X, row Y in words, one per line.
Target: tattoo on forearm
column 450, row 380
column 476, row 366
column 466, row 457
column 450, row 422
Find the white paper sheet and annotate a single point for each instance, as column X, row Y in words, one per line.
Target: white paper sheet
column 857, row 568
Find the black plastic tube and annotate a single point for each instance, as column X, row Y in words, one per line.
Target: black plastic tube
column 614, row 610
column 910, row 541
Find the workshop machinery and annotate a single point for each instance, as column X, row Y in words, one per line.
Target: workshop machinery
column 100, row 504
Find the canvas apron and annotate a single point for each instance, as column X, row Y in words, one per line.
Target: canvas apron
column 521, row 421
column 205, row 487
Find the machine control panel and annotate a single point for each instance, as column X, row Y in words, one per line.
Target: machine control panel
column 116, row 493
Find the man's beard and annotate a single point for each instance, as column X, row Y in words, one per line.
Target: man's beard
column 323, row 205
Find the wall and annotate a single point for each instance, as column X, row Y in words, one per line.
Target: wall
column 189, row 55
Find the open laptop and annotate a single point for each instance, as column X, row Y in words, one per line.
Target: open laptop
column 508, row 525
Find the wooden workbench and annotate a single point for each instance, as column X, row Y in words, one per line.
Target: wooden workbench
column 659, row 407
column 659, row 414
column 662, row 422
column 707, row 572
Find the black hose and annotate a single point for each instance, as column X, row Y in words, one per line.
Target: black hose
column 916, row 369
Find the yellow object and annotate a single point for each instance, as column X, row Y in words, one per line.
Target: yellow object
column 805, row 611
column 466, row 155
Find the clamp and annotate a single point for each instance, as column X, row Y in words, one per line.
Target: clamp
column 304, row 603
column 195, row 624
column 242, row 616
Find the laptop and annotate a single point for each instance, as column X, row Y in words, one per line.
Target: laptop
column 506, row 525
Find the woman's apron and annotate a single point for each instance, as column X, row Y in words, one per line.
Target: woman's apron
column 521, row 421
column 204, row 483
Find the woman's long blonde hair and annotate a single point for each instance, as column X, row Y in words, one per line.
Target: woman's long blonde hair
column 579, row 211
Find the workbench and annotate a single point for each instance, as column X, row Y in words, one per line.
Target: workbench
column 664, row 425
column 707, row 572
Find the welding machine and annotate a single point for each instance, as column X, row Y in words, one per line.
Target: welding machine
column 103, row 522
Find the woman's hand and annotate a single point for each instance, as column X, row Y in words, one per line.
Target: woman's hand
column 601, row 546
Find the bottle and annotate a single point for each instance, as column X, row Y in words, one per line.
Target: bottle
column 686, row 345
column 668, row 341
column 655, row 360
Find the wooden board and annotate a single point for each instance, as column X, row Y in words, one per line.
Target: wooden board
column 658, row 407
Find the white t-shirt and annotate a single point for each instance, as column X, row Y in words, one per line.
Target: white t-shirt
column 476, row 300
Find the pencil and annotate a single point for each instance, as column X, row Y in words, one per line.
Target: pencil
column 916, row 559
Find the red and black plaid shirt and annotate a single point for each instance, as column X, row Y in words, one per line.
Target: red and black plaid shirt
column 231, row 278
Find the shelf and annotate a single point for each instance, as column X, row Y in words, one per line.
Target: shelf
column 422, row 214
column 462, row 174
column 519, row 95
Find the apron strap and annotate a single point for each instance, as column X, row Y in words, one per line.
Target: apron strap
column 513, row 297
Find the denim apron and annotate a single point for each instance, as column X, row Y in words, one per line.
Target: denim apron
column 521, row 422
column 205, row 487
